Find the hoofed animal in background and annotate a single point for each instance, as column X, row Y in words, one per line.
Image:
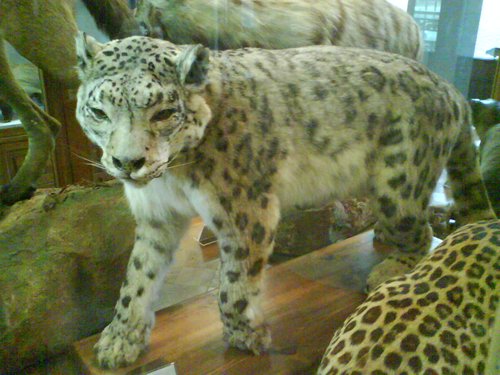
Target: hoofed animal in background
column 236, row 136
column 437, row 319
column 276, row 24
column 44, row 33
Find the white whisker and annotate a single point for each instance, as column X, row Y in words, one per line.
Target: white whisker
column 180, row 165
column 90, row 161
column 99, row 166
column 173, row 158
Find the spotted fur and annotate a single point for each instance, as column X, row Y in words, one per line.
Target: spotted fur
column 237, row 136
column 276, row 24
column 437, row 319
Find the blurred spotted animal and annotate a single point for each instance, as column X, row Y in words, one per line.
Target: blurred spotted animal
column 441, row 318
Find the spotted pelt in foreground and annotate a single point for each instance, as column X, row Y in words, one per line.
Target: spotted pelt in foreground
column 276, row 24
column 237, row 136
column 437, row 319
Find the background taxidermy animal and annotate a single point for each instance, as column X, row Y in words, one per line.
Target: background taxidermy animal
column 486, row 116
column 276, row 24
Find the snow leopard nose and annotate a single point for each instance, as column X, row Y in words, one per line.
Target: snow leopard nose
column 128, row 165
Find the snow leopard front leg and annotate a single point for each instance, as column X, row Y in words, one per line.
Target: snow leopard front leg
column 246, row 238
column 123, row 340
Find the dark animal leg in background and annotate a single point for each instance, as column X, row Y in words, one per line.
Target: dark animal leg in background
column 7, row 112
column 40, row 128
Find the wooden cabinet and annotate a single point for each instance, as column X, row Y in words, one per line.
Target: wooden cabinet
column 67, row 164
column 13, row 148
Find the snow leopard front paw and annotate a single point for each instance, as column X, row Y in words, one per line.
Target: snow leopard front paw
column 245, row 337
column 121, row 344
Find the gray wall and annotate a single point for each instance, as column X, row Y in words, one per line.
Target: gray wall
column 457, row 28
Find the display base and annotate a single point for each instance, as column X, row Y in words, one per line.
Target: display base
column 305, row 300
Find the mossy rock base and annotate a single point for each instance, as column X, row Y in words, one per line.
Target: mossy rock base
column 63, row 256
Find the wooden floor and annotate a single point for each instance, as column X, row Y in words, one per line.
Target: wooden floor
column 306, row 299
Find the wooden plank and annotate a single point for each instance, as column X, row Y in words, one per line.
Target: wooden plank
column 305, row 300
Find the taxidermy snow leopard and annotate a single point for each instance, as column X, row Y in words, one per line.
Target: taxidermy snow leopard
column 276, row 24
column 236, row 136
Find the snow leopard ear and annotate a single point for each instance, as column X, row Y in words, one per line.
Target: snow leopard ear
column 192, row 65
column 86, row 49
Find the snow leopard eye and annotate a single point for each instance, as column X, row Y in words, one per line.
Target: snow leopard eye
column 99, row 114
column 163, row 115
